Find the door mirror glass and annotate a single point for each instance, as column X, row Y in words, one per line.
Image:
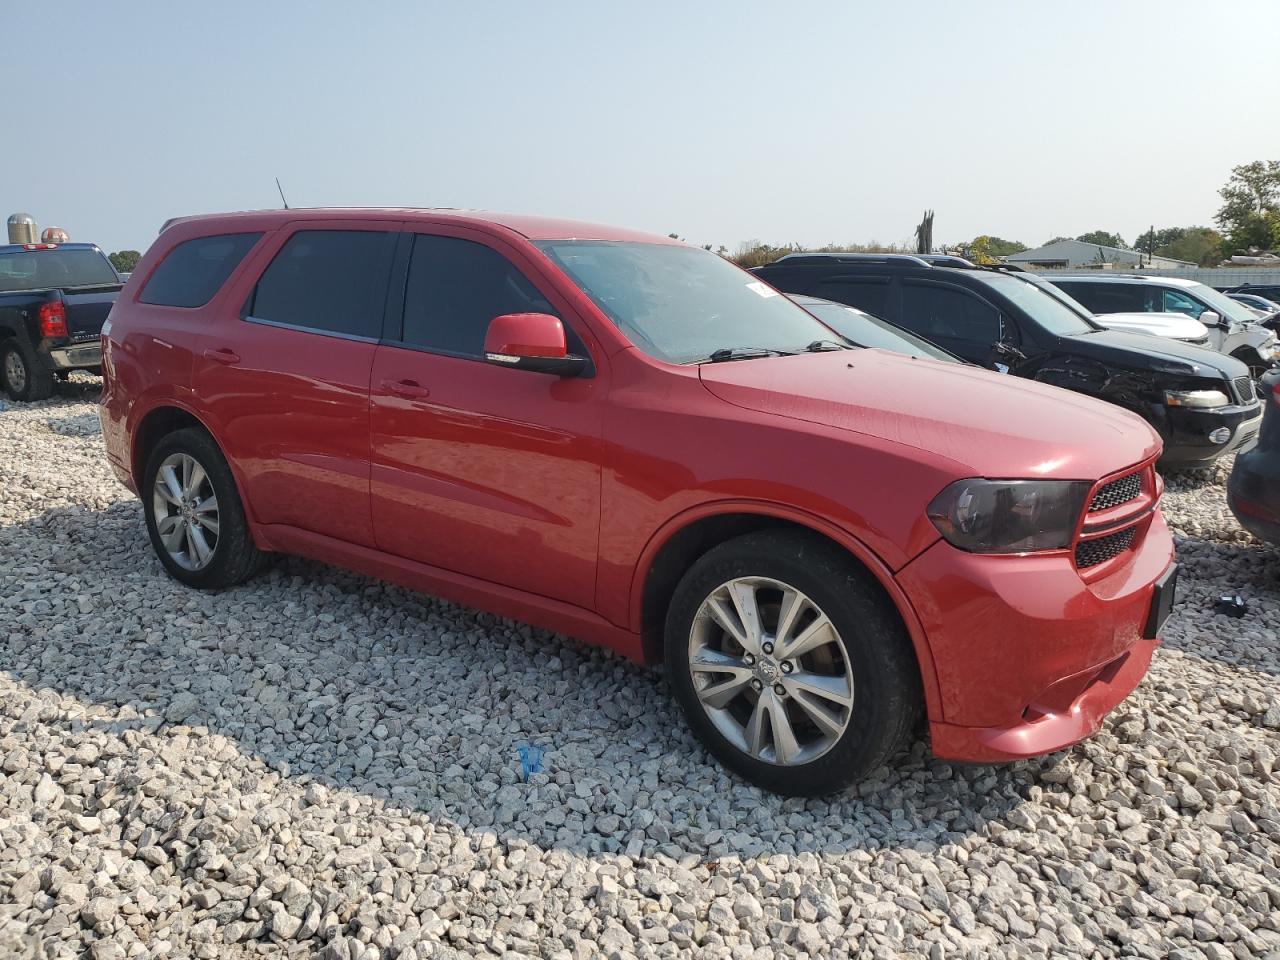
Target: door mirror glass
column 531, row 341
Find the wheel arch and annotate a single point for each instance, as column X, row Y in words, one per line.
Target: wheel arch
column 164, row 418
column 689, row 535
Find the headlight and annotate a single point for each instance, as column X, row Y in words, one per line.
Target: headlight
column 1195, row 398
column 1009, row 516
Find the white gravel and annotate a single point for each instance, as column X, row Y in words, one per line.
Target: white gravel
column 316, row 764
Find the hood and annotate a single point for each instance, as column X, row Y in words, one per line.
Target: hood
column 1145, row 353
column 989, row 424
column 1176, row 326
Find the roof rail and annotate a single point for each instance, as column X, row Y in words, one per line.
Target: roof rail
column 889, row 259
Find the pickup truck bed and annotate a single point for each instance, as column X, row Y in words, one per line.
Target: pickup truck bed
column 54, row 299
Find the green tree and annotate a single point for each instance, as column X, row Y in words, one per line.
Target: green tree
column 124, row 260
column 1202, row 245
column 1155, row 239
column 1250, row 212
column 1103, row 239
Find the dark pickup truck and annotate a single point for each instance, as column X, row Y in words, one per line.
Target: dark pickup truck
column 54, row 298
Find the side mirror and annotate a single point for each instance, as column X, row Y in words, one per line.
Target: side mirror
column 531, row 341
column 1210, row 319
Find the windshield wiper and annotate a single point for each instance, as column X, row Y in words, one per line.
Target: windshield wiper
column 822, row 346
column 743, row 353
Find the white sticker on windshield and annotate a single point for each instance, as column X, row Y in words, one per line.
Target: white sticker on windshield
column 764, row 290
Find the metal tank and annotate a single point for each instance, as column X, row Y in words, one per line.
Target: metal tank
column 22, row 228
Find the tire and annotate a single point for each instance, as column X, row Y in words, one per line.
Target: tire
column 228, row 555
column 24, row 377
column 878, row 672
column 1257, row 366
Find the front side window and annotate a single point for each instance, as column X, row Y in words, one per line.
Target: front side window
column 332, row 281
column 455, row 289
column 682, row 304
column 1175, row 301
column 948, row 313
column 869, row 295
column 195, row 270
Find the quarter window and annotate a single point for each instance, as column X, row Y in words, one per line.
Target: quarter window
column 455, row 288
column 196, row 269
column 333, row 281
column 948, row 313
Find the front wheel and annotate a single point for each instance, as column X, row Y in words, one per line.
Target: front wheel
column 1257, row 366
column 24, row 379
column 789, row 664
column 194, row 514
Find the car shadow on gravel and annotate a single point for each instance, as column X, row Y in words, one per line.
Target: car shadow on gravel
column 333, row 679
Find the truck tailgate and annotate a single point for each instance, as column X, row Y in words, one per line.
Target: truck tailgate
column 88, row 309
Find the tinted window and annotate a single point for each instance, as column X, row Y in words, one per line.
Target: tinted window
column 948, row 312
column 329, row 280
column 1055, row 315
column 869, row 295
column 44, row 269
column 194, row 270
column 1108, row 297
column 456, row 287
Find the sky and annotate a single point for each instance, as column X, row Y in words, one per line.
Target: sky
column 721, row 121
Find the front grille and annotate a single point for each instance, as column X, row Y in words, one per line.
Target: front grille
column 1243, row 387
column 1090, row 553
column 1117, row 492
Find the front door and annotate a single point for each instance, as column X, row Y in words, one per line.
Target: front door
column 286, row 381
column 476, row 468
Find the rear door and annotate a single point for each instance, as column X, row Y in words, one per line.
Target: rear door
column 285, row 379
column 955, row 318
column 477, row 468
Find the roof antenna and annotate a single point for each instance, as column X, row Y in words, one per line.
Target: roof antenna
column 281, row 189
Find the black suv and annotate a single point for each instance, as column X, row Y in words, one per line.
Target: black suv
column 1203, row 404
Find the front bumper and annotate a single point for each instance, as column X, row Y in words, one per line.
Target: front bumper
column 1253, row 492
column 1186, row 432
column 77, row 356
column 1029, row 657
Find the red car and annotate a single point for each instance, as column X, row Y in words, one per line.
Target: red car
column 633, row 442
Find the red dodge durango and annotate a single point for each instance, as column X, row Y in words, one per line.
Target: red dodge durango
column 631, row 441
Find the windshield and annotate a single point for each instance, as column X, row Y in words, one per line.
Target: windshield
column 681, row 304
column 1050, row 310
column 45, row 269
column 868, row 331
column 1223, row 305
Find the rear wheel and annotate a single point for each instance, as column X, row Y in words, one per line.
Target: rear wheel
column 194, row 514
column 24, row 379
column 789, row 664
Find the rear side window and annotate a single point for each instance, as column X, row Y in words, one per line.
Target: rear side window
column 455, row 288
column 871, row 296
column 948, row 313
column 195, row 269
column 1108, row 297
column 331, row 281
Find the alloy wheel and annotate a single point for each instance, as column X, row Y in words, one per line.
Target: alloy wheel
column 15, row 371
column 770, row 671
column 186, row 511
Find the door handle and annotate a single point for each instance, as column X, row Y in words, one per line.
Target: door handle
column 222, row 355
column 409, row 389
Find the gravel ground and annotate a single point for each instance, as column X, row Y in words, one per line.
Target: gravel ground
column 316, row 764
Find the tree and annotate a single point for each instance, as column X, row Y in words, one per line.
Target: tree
column 999, row 247
column 1155, row 239
column 1103, row 239
column 1250, row 212
column 124, row 260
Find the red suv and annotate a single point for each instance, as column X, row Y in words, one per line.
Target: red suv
column 631, row 441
